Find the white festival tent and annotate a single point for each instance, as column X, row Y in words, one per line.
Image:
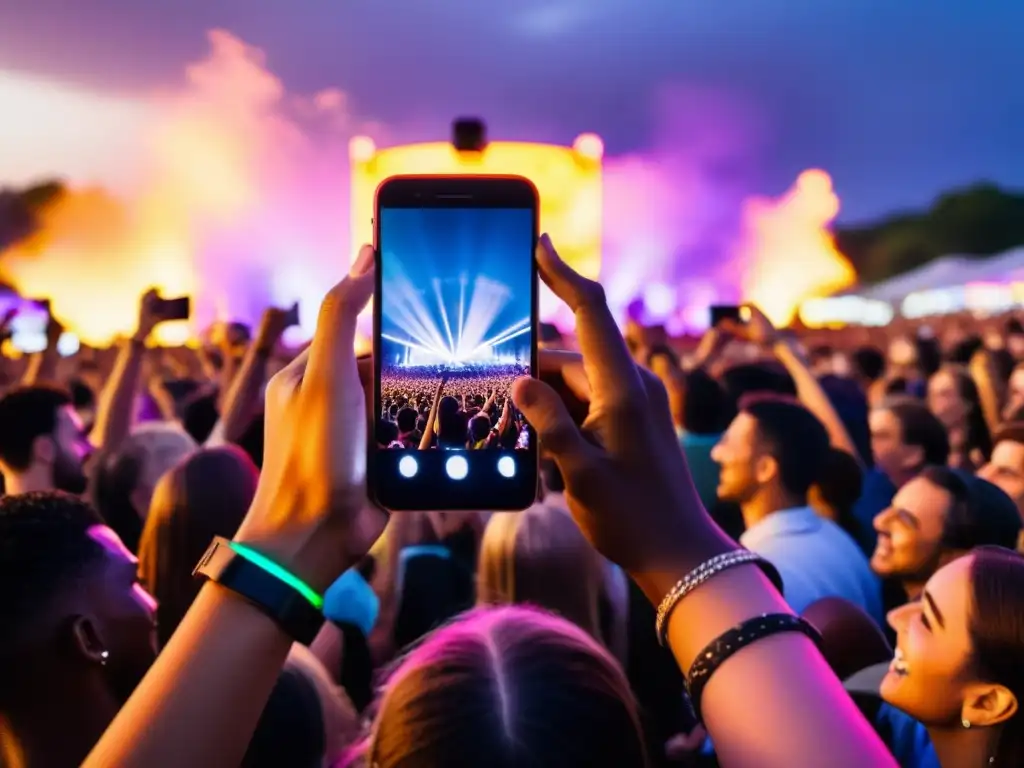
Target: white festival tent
column 950, row 272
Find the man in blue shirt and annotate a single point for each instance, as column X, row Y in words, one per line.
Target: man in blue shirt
column 770, row 456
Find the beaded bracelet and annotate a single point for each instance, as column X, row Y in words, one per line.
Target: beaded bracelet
column 719, row 650
column 694, row 579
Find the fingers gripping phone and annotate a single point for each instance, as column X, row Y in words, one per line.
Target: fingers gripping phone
column 455, row 324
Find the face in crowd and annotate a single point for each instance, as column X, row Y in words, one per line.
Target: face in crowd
column 945, row 399
column 906, row 436
column 958, row 647
column 773, row 443
column 743, row 465
column 1005, row 468
column 936, row 517
column 67, row 451
column 910, row 531
column 74, row 620
column 42, row 435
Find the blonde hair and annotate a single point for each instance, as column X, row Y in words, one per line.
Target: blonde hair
column 157, row 447
column 539, row 557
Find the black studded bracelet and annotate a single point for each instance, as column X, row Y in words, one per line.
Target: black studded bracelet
column 725, row 645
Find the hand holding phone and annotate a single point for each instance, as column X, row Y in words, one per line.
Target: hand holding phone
column 316, row 432
column 275, row 322
column 630, row 469
column 753, row 326
column 154, row 309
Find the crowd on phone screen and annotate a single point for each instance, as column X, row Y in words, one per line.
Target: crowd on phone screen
column 473, row 407
column 878, row 474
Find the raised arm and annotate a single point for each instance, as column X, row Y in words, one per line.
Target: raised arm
column 428, row 433
column 199, row 703
column 42, row 366
column 231, row 353
column 489, row 403
column 773, row 704
column 242, row 398
column 506, row 414
column 712, row 344
column 760, row 330
column 116, row 405
column 156, row 386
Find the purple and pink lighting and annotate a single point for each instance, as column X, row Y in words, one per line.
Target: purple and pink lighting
column 235, row 191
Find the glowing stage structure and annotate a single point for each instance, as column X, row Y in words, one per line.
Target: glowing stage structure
column 569, row 180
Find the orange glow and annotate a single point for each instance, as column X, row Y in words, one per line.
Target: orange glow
column 217, row 208
column 788, row 251
column 85, row 261
column 568, row 180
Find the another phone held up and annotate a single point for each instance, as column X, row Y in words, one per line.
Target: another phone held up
column 175, row 309
column 292, row 318
column 733, row 312
column 455, row 323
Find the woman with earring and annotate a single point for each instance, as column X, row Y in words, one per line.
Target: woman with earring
column 957, row 667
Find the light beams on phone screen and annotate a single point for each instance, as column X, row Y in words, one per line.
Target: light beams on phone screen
column 429, row 328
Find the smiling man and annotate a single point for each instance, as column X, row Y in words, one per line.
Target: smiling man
column 771, row 455
column 938, row 516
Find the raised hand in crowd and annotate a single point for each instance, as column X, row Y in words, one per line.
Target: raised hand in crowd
column 241, row 401
column 201, row 700
column 42, row 366
column 431, row 428
column 630, row 492
column 115, row 408
column 758, row 329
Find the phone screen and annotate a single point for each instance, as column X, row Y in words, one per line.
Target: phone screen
column 456, row 325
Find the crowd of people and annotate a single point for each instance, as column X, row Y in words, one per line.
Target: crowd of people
column 451, row 407
column 767, row 550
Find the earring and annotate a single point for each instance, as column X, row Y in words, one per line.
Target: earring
column 965, row 722
column 104, row 658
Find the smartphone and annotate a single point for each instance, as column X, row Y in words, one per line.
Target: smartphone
column 734, row 312
column 176, row 309
column 455, row 315
column 292, row 319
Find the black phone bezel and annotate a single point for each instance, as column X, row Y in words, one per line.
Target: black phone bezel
column 483, row 492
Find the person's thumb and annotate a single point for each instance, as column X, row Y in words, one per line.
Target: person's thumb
column 547, row 414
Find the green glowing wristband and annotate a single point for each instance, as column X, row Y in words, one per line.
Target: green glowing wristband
column 292, row 603
column 274, row 569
